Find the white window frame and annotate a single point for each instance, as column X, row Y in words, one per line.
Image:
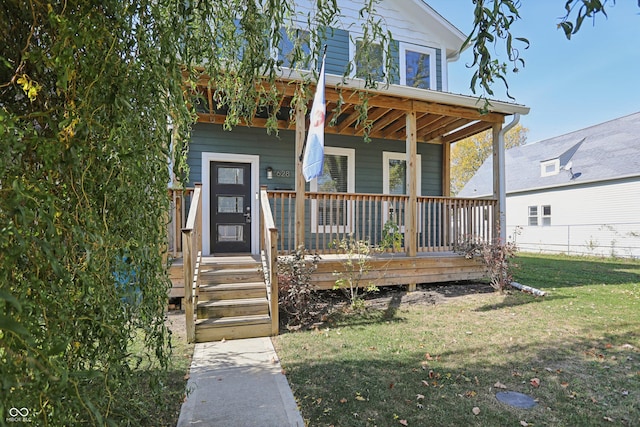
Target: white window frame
column 352, row 56
column 554, row 163
column 546, row 219
column 393, row 155
column 403, row 48
column 350, row 153
column 530, row 216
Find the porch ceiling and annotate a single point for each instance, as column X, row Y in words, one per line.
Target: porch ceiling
column 440, row 117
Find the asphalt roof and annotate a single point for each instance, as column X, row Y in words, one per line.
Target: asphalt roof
column 610, row 150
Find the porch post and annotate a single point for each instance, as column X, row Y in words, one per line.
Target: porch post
column 446, row 169
column 300, row 182
column 411, row 219
column 499, row 184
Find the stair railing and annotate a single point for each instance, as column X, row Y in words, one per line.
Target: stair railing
column 191, row 256
column 269, row 253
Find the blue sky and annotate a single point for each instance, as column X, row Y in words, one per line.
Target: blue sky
column 568, row 85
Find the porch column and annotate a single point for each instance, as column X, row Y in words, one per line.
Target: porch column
column 411, row 218
column 300, row 182
column 499, row 184
column 446, row 169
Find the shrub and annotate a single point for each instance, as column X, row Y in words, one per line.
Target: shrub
column 355, row 267
column 296, row 294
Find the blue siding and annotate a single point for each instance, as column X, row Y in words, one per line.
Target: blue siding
column 278, row 152
column 337, row 42
column 439, row 69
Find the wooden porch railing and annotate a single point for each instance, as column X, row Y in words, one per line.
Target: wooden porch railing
column 269, row 253
column 192, row 255
column 442, row 221
column 180, row 198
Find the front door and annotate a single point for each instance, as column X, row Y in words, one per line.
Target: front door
column 230, row 207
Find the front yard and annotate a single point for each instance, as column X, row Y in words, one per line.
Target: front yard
column 440, row 355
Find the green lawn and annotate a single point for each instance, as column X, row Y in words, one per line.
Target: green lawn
column 439, row 365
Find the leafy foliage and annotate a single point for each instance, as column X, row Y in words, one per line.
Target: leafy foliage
column 496, row 255
column 492, row 30
column 355, row 267
column 469, row 154
column 85, row 92
column 296, row 293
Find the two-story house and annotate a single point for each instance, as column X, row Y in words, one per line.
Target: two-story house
column 398, row 181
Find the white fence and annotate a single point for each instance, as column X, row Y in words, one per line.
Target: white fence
column 610, row 240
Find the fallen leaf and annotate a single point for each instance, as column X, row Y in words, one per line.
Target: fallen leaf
column 499, row 385
column 425, row 383
column 343, row 400
column 535, row 382
column 476, row 410
column 360, row 398
column 391, row 385
column 427, row 356
column 625, row 392
column 524, row 423
column 470, row 393
column 403, row 422
column 564, row 384
column 608, row 345
column 420, row 396
column 431, row 374
column 187, row 376
column 609, row 419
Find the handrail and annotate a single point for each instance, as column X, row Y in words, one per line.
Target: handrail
column 443, row 222
column 191, row 256
column 178, row 198
column 269, row 246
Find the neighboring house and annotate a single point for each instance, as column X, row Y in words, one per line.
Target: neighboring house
column 577, row 193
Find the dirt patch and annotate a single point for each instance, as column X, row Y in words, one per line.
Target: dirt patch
column 175, row 321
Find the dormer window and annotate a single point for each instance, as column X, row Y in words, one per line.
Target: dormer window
column 549, row 167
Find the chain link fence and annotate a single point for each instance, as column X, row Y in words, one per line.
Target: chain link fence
column 609, row 240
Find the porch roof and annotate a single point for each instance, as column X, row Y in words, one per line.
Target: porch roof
column 441, row 117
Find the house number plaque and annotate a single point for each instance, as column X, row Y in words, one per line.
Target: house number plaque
column 282, row 173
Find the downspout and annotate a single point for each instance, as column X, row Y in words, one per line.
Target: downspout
column 502, row 186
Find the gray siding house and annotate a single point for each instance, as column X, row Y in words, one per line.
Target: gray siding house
column 577, row 193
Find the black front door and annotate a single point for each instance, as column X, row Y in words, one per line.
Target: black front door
column 230, row 207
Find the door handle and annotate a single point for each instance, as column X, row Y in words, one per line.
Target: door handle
column 247, row 215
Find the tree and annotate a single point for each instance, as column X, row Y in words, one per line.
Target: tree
column 469, row 154
column 492, row 27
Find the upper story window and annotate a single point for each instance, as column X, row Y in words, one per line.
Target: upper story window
column 368, row 60
column 294, row 48
column 417, row 66
column 549, row 167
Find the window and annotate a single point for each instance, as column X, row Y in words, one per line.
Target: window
column 546, row 215
column 549, row 167
column 294, row 49
column 394, row 181
column 417, row 66
column 369, row 61
column 540, row 216
column 338, row 176
column 533, row 215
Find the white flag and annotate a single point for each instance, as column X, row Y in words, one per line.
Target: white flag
column 314, row 151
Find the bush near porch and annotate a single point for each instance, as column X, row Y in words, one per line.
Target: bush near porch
column 576, row 351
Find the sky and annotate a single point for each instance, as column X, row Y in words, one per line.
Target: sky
column 568, row 84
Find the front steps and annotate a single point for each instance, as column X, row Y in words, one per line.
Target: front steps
column 232, row 300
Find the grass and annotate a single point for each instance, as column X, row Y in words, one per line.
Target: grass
column 423, row 365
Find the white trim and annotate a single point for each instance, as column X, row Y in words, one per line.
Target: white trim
column 207, row 158
column 350, row 153
column 402, row 51
column 556, row 167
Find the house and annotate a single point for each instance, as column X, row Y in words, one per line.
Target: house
column 254, row 200
column 575, row 193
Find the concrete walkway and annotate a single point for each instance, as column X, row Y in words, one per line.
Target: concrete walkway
column 238, row 383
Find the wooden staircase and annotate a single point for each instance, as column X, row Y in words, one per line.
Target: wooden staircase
column 232, row 300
